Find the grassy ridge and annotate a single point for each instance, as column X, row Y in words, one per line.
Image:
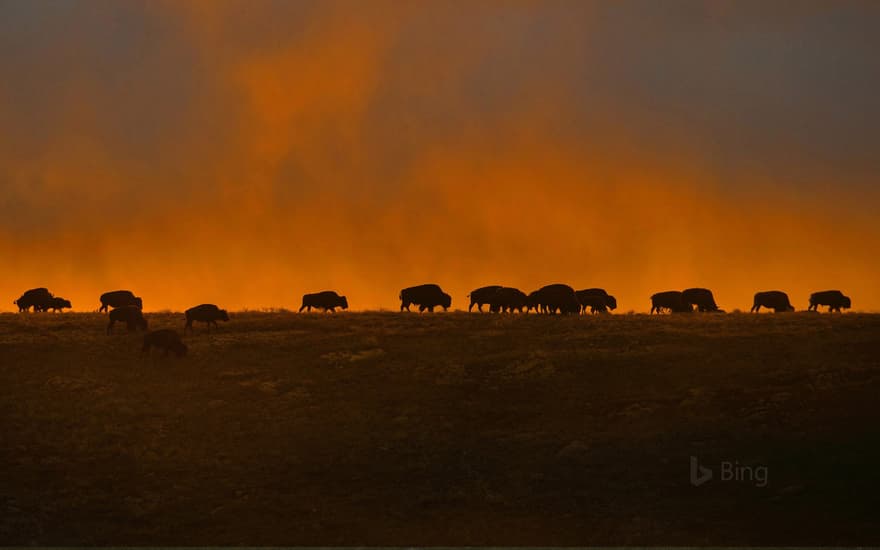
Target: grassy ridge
column 386, row 428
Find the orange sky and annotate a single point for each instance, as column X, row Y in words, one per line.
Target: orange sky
column 245, row 153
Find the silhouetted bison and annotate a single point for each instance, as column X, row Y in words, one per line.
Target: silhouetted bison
column 773, row 299
column 205, row 313
column 324, row 300
column 557, row 297
column 507, row 299
column 164, row 339
column 120, row 298
column 671, row 300
column 482, row 296
column 37, row 298
column 834, row 299
column 596, row 299
column 57, row 304
column 130, row 315
column 426, row 296
column 700, row 297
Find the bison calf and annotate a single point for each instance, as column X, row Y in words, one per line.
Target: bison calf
column 58, row 304
column 164, row 339
column 205, row 313
column 772, row 299
column 834, row 299
column 132, row 316
column 326, row 300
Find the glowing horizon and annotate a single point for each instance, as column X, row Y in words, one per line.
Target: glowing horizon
column 244, row 154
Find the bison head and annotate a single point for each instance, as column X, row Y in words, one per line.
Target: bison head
column 447, row 301
column 343, row 301
column 846, row 303
column 611, row 302
column 138, row 302
column 224, row 316
column 62, row 303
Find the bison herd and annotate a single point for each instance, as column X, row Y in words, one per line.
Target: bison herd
column 41, row 300
column 125, row 307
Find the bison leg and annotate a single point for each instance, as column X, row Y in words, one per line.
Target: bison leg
column 470, row 307
column 404, row 305
column 301, row 308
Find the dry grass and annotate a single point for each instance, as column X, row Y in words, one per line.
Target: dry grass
column 392, row 429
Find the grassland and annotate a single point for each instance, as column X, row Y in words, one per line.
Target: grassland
column 393, row 429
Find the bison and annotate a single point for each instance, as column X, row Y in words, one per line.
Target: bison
column 596, row 299
column 58, row 304
column 426, row 296
column 132, row 316
column 700, row 297
column 205, row 313
column 557, row 297
column 671, row 300
column 164, row 339
column 507, row 299
column 327, row 300
column 37, row 298
column 120, row 298
column 773, row 299
column 834, row 299
column 483, row 295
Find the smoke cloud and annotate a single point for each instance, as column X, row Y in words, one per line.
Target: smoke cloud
column 244, row 153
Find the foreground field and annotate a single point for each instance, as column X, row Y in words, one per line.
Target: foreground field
column 393, row 429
